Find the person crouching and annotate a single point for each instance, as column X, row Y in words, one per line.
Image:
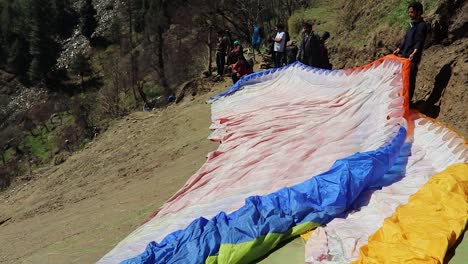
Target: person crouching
column 240, row 68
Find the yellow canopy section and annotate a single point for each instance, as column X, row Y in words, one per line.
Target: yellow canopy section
column 422, row 230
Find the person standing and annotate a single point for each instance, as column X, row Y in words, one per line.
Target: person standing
column 279, row 45
column 257, row 37
column 310, row 47
column 324, row 53
column 413, row 43
column 222, row 48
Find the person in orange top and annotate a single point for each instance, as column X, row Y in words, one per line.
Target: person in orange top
column 240, row 68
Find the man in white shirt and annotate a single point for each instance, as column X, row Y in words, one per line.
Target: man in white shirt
column 279, row 46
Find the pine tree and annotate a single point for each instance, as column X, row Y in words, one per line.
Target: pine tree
column 43, row 48
column 88, row 19
column 2, row 41
column 66, row 18
column 140, row 7
column 157, row 22
column 18, row 59
column 81, row 66
column 7, row 16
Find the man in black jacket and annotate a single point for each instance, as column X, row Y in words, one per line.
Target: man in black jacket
column 413, row 43
column 310, row 47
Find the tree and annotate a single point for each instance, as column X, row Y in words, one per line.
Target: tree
column 43, row 48
column 139, row 20
column 157, row 22
column 10, row 138
column 18, row 59
column 14, row 35
column 29, row 125
column 206, row 21
column 88, row 19
column 116, row 31
column 81, row 67
column 65, row 19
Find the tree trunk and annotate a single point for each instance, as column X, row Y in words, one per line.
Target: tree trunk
column 142, row 93
column 29, row 164
column 210, row 51
column 161, row 65
column 132, row 55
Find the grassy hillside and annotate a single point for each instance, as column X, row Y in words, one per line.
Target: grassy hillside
column 362, row 31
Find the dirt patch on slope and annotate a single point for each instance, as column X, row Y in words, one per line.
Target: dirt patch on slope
column 77, row 211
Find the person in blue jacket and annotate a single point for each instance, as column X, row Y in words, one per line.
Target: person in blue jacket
column 257, row 37
column 413, row 43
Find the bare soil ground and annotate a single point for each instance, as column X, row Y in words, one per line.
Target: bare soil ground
column 77, row 211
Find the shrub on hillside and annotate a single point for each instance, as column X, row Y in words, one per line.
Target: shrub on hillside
column 295, row 22
column 5, row 177
column 71, row 137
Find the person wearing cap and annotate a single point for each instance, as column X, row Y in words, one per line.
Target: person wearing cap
column 240, row 69
column 236, row 51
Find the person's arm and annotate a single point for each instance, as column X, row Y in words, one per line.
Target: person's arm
column 420, row 37
column 299, row 46
column 235, row 69
column 280, row 38
column 398, row 50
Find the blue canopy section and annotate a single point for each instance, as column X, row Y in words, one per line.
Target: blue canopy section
column 318, row 200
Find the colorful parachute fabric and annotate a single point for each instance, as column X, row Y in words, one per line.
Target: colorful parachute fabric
column 299, row 147
column 432, row 149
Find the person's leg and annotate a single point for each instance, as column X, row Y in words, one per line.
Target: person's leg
column 278, row 59
column 219, row 65
column 234, row 77
column 275, row 58
column 223, row 63
column 413, row 74
column 285, row 58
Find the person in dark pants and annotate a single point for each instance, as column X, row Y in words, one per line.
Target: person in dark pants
column 279, row 45
column 413, row 43
column 325, row 60
column 221, row 51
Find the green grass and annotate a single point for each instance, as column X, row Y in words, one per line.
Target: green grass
column 324, row 17
column 373, row 17
column 42, row 146
column 152, row 90
column 399, row 15
column 8, row 155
